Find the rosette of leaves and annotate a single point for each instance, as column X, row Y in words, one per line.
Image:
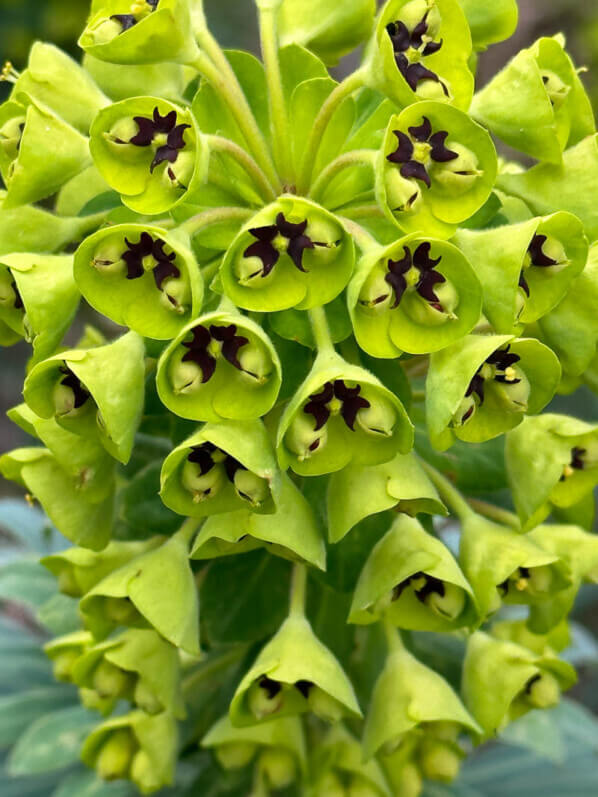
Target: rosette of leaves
column 526, row 269
column 38, row 298
column 484, row 385
column 503, row 680
column 435, row 169
column 341, row 414
column 97, row 392
column 221, row 365
column 420, row 51
column 150, row 151
column 416, row 295
column 222, row 468
column 293, row 253
column 537, row 103
column 142, row 277
column 551, row 461
column 412, row 580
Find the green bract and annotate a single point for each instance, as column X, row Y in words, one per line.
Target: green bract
column 341, row 414
column 140, row 276
column 537, row 104
column 420, row 51
column 490, row 23
column 435, row 169
column 221, row 365
column 293, row 253
column 150, row 151
column 483, row 386
column 416, row 295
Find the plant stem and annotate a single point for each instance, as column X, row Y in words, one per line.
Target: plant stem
column 225, row 82
column 228, row 147
column 449, row 494
column 189, row 528
column 210, row 218
column 281, row 135
column 418, row 395
column 320, row 329
column 362, row 212
column 357, row 157
column 393, row 636
column 298, row 589
column 365, row 240
column 340, row 93
column 496, row 513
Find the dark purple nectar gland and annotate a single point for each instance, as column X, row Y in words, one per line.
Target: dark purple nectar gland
column 139, row 10
column 207, row 344
column 9, row 292
column 417, row 271
column 69, row 393
column 498, row 367
column 577, row 462
column 444, row 599
column 283, row 237
column 207, row 468
column 538, row 258
column 336, row 397
column 163, row 134
column 410, row 47
column 417, row 151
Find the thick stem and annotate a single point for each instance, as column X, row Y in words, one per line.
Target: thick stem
column 364, row 240
column 393, row 636
column 189, row 528
column 228, row 147
column 210, row 218
column 495, row 513
column 340, row 93
column 362, row 212
column 225, row 82
column 320, row 329
column 358, row 157
column 449, row 494
column 279, row 117
column 298, row 590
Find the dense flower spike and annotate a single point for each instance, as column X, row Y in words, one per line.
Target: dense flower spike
column 302, row 289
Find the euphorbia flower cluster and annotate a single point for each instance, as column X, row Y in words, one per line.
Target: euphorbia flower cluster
column 311, row 285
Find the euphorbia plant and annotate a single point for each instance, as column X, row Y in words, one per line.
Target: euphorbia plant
column 316, row 284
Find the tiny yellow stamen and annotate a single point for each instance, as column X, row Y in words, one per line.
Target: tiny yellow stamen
column 510, row 374
column 521, row 584
column 9, row 73
column 568, row 471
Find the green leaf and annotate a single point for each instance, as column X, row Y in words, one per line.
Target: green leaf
column 21, row 709
column 26, row 581
column 28, row 525
column 88, row 784
column 59, row 615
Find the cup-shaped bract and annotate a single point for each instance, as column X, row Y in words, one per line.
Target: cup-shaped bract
column 65, row 651
column 220, row 366
column 95, row 391
column 490, row 23
column 504, row 566
column 436, row 168
column 137, row 32
column 338, row 768
column 503, row 681
column 150, row 151
column 341, row 415
column 138, row 746
column 408, row 696
column 330, row 30
column 137, row 665
column 417, row 295
column 77, row 570
column 537, row 104
column 142, row 277
column 39, row 151
column 60, row 83
column 223, row 467
column 293, row 253
column 411, row 579
column 525, row 269
column 358, row 491
column 236, row 748
column 154, row 590
column 294, row 673
column 484, row 385
column 291, row 531
column 38, row 298
column 82, row 519
column 551, row 460
column 420, row 51
column 578, row 551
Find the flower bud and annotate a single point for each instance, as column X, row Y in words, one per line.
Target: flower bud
column 265, row 697
column 256, row 364
column 543, row 691
column 408, row 782
column 449, row 605
column 251, row 487
column 110, row 681
column 179, row 173
column 514, row 394
column 330, row 785
column 278, row 766
column 143, row 772
column 464, row 412
column 67, row 583
column 202, row 486
column 121, row 133
column 402, row 195
column 235, row 755
column 63, row 664
column 105, row 30
column 107, row 258
column 324, row 706
column 10, row 136
column 327, row 236
column 360, row 787
column 376, row 294
column 302, row 439
column 379, row 418
column 457, row 176
column 145, row 698
column 184, row 377
column 91, row 700
column 64, row 399
column 414, row 11
column 121, row 611
column 175, row 295
column 439, row 761
column 116, row 754
column 427, row 314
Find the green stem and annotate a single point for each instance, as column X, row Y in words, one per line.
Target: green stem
column 225, row 82
column 320, row 329
column 207, row 670
column 209, row 271
column 449, row 494
column 227, row 147
column 357, row 157
column 496, row 513
column 393, row 635
column 298, row 590
column 340, row 93
column 365, row 240
column 418, row 395
column 362, row 212
column 210, row 218
column 281, row 130
column 189, row 528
